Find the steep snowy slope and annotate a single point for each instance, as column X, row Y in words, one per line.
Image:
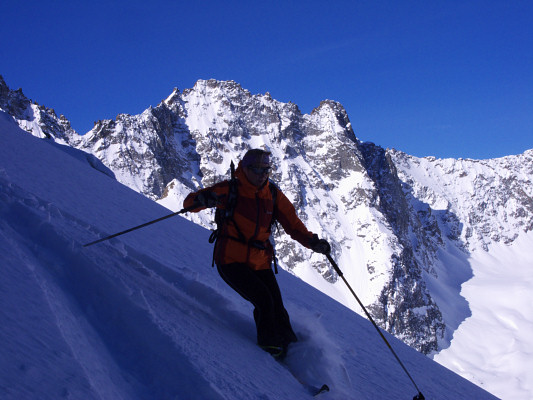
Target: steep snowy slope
column 145, row 316
column 500, row 298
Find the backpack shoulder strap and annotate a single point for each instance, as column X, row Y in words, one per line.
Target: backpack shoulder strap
column 274, row 191
column 232, row 193
column 222, row 216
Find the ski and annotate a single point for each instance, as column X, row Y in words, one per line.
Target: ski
column 279, row 356
column 323, row 389
column 313, row 390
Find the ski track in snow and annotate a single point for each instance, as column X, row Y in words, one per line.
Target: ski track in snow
column 146, row 297
column 94, row 283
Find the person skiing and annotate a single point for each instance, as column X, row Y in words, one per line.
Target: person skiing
column 247, row 205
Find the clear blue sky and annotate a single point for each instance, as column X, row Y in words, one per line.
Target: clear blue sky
column 441, row 78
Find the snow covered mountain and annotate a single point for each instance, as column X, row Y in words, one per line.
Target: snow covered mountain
column 145, row 316
column 404, row 229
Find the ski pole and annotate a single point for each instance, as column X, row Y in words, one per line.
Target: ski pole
column 182, row 211
column 419, row 396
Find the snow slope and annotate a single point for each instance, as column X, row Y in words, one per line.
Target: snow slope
column 144, row 316
column 500, row 298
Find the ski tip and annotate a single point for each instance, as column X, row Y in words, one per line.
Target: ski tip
column 323, row 389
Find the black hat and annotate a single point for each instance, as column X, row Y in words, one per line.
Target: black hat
column 256, row 157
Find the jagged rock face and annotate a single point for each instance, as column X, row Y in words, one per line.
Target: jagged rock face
column 386, row 214
column 145, row 151
column 406, row 290
column 478, row 201
column 38, row 120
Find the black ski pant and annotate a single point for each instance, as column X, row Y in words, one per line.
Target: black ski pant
column 261, row 289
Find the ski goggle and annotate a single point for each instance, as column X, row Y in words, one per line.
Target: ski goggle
column 256, row 157
column 259, row 170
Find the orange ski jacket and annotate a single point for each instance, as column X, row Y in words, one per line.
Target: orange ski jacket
column 252, row 216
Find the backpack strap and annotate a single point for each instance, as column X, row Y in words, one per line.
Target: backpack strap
column 232, row 194
column 274, row 192
column 221, row 216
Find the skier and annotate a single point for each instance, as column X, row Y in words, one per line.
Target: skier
column 247, row 205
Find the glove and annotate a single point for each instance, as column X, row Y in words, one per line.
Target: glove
column 207, row 199
column 319, row 245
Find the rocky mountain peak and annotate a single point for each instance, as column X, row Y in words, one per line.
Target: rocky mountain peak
column 13, row 101
column 34, row 118
column 174, row 97
column 3, row 87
